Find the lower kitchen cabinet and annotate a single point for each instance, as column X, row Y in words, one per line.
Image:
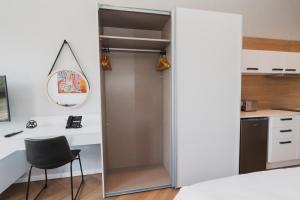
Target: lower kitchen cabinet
column 270, row 142
column 283, row 139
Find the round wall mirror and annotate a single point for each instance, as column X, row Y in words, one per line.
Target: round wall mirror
column 67, row 88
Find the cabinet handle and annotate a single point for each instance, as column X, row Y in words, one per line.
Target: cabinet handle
column 285, row 142
column 285, row 131
column 277, row 69
column 290, row 70
column 286, row 119
column 252, row 68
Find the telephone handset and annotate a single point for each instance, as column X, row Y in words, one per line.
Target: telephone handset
column 74, row 122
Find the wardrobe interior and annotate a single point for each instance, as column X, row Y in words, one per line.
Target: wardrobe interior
column 136, row 100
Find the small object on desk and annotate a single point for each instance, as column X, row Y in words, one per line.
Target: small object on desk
column 12, row 134
column 31, row 124
column 74, row 122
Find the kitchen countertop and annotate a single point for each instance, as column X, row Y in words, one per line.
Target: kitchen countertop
column 267, row 113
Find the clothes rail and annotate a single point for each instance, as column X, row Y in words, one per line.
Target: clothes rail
column 133, row 50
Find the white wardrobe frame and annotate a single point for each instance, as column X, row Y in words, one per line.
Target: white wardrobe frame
column 187, row 168
column 173, row 174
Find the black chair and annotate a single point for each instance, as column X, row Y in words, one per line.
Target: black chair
column 49, row 154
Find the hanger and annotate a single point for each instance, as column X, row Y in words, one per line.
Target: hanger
column 105, row 61
column 163, row 63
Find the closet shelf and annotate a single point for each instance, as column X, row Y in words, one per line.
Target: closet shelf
column 111, row 16
column 109, row 41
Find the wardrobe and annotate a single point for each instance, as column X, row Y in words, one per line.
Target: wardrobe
column 172, row 127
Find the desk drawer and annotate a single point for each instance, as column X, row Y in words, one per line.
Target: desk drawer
column 284, row 147
column 284, row 121
column 84, row 139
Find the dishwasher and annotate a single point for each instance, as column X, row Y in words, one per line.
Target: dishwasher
column 253, row 144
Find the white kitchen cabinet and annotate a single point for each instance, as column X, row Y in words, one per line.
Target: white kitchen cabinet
column 270, row 62
column 207, row 94
column 252, row 62
column 284, row 121
column 283, row 138
column 292, row 60
column 273, row 61
column 262, row 62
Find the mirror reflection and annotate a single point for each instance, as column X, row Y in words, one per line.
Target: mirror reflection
column 67, row 88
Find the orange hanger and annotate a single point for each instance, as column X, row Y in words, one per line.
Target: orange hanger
column 163, row 63
column 105, row 62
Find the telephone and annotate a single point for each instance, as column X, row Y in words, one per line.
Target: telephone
column 74, row 122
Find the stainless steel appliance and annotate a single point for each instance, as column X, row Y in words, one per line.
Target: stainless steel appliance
column 249, row 105
column 253, row 144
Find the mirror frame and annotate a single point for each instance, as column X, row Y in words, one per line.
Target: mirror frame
column 51, row 99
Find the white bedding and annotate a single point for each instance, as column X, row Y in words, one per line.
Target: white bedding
column 282, row 184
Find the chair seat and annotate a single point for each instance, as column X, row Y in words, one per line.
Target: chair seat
column 75, row 152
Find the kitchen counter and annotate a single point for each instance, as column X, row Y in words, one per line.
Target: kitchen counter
column 267, row 113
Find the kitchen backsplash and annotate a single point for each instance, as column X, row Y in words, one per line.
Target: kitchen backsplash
column 272, row 92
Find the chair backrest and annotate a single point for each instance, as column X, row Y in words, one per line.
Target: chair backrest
column 48, row 153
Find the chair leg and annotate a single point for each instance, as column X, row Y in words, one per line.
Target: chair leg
column 71, row 171
column 46, row 178
column 82, row 179
column 28, row 184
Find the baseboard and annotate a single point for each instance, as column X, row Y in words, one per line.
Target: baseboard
column 59, row 175
column 289, row 163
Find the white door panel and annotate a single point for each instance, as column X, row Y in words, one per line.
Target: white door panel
column 208, row 84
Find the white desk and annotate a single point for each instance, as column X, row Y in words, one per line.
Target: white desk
column 89, row 134
column 54, row 126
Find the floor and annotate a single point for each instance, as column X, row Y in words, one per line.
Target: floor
column 59, row 189
column 136, row 178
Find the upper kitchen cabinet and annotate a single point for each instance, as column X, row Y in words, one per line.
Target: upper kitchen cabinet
column 292, row 60
column 252, row 62
column 273, row 61
column 270, row 62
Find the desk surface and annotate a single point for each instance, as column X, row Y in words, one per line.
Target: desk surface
column 90, row 133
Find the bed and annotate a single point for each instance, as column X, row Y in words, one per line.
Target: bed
column 281, row 184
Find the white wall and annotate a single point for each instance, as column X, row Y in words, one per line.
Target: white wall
column 31, row 33
column 262, row 18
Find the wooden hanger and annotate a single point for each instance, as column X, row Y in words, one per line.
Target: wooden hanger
column 104, row 61
column 163, row 63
